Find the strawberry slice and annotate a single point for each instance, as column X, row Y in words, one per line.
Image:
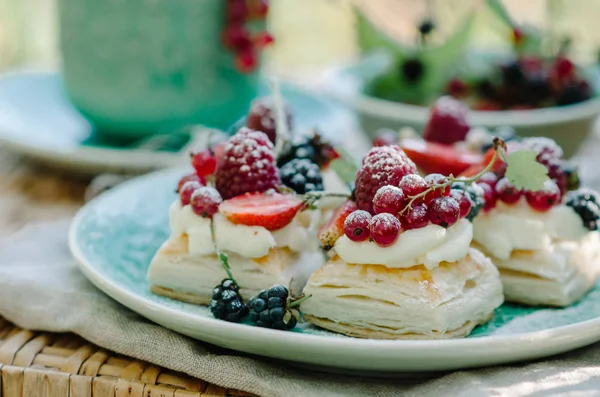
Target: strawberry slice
column 271, row 211
column 437, row 158
column 334, row 228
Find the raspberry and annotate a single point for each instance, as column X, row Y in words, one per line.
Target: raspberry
column 205, row 201
column 586, row 204
column 356, row 225
column 191, row 177
column 448, row 122
column 302, row 176
column 261, row 117
column 385, row 165
column 507, row 192
column 384, row 229
column 417, row 217
column 443, row 211
column 413, row 185
column 544, row 199
column 388, row 199
column 432, row 180
column 489, row 196
column 248, row 165
column 464, row 202
column 186, row 191
column 226, row 303
column 204, row 163
column 269, row 308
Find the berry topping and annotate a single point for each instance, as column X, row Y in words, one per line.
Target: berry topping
column 572, row 93
column 432, row 180
column 302, row 176
column 416, row 217
column 384, row 229
column 269, row 308
column 226, row 303
column 448, row 122
column 385, row 137
column 261, row 117
column 246, row 60
column 313, row 148
column 356, row 225
column 334, row 228
column 432, row 157
column 507, row 192
column 388, row 199
column 204, row 163
column 205, row 201
column 413, row 185
column 544, row 199
column 191, row 177
column 443, row 211
column 457, row 88
column 463, row 200
column 248, row 165
column 385, row 165
column 489, row 196
column 544, row 147
column 236, row 37
column 489, row 178
column 587, row 205
column 271, row 211
column 475, row 193
column 186, row 191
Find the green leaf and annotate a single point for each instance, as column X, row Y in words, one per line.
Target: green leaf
column 500, row 11
column 371, row 38
column 524, row 171
column 345, row 167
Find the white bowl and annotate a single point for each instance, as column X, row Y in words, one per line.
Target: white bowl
column 567, row 125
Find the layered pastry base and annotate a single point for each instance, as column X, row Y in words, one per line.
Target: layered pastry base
column 430, row 284
column 187, row 268
column 544, row 258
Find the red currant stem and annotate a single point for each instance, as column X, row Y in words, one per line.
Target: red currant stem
column 281, row 130
column 222, row 256
column 499, row 145
column 297, row 302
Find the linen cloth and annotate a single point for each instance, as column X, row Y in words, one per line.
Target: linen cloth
column 42, row 289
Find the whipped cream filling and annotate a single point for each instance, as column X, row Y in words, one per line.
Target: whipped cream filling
column 248, row 241
column 518, row 227
column 428, row 246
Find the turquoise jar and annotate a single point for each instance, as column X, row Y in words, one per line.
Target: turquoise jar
column 137, row 67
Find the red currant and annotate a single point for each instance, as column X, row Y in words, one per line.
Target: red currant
column 237, row 38
column 463, row 202
column 388, row 199
column 205, row 201
column 260, row 8
column 489, row 178
column 263, row 39
column 204, row 163
column 436, row 179
column 412, row 185
column 385, row 137
column 443, row 211
column 489, row 196
column 356, row 225
column 563, row 69
column 457, row 88
column 507, row 192
column 186, row 191
column 190, row 177
column 246, row 61
column 544, row 199
column 237, row 10
column 417, row 217
column 384, row 229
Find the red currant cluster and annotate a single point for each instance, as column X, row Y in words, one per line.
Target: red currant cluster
column 238, row 38
column 501, row 189
column 193, row 188
column 412, row 204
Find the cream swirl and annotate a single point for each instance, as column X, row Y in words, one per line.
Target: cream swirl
column 248, row 241
column 428, row 246
column 518, row 227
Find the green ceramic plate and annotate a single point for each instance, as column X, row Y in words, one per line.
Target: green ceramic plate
column 115, row 236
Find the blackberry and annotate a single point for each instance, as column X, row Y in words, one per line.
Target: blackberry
column 226, row 303
column 313, row 148
column 571, row 94
column 586, row 204
column 475, row 193
column 537, row 87
column 271, row 309
column 412, row 70
column 302, row 176
column 512, row 73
